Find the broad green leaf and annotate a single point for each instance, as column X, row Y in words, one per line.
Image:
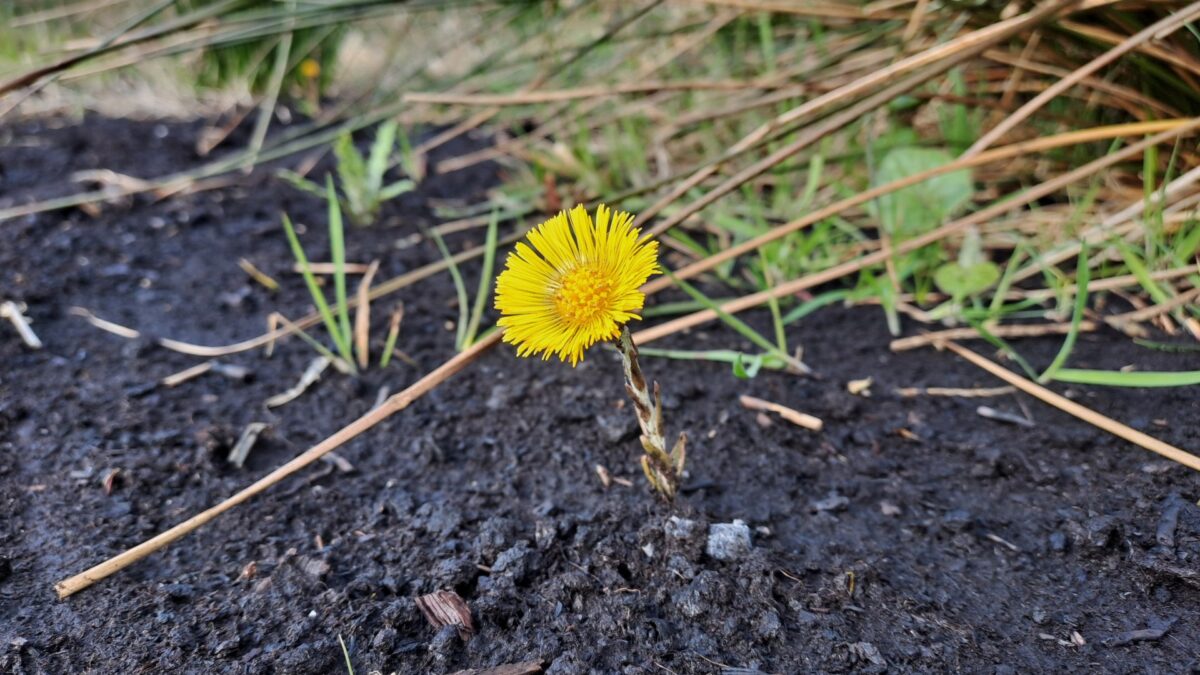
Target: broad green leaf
column 958, row 281
column 924, row 206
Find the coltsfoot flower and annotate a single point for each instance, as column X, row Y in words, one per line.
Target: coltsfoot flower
column 575, row 283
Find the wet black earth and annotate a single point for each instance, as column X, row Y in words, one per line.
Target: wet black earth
column 910, row 535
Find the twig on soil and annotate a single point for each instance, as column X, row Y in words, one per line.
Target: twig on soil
column 15, row 314
column 1014, row 331
column 258, row 275
column 977, row 392
column 393, row 405
column 362, row 316
column 241, row 449
column 176, row 379
column 794, row 416
column 310, row 376
column 1072, row 408
column 108, row 326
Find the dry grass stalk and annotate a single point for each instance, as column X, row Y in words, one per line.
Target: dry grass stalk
column 560, row 95
column 999, row 154
column 176, row 379
column 955, row 392
column 16, row 316
column 849, row 267
column 258, row 275
column 1015, row 331
column 1072, row 408
column 362, row 316
column 392, row 405
column 1163, row 27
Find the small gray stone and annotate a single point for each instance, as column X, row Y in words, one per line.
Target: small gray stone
column 617, row 428
column 834, row 502
column 679, row 528
column 728, row 541
column 513, row 561
column 769, row 625
column 957, row 520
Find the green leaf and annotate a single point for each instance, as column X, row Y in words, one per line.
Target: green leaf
column 1116, row 378
column 315, row 291
column 337, row 248
column 959, row 282
column 922, row 207
column 301, row 183
column 381, row 152
column 742, row 371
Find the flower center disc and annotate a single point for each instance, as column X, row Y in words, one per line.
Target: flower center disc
column 584, row 294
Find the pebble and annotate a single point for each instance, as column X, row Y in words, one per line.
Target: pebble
column 1058, row 542
column 617, row 428
column 769, row 625
column 1100, row 530
column 957, row 520
column 728, row 541
column 679, row 528
column 834, row 502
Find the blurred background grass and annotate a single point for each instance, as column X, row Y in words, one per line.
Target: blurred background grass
column 722, row 121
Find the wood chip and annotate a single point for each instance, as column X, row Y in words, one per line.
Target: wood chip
column 859, row 387
column 794, row 416
column 310, row 377
column 447, row 608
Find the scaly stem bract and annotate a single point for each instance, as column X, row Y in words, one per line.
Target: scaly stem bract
column 663, row 469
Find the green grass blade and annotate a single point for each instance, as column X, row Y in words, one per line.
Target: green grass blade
column 1116, row 378
column 485, row 281
column 773, row 305
column 267, row 110
column 460, row 288
column 381, row 153
column 314, row 290
column 1082, row 274
column 346, row 655
column 810, row 306
column 733, row 322
column 301, row 183
column 337, row 249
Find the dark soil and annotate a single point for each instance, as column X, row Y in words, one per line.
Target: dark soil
column 911, row 535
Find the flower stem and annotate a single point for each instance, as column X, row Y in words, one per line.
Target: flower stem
column 663, row 469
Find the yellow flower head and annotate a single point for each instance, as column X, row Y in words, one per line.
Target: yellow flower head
column 576, row 283
column 310, row 69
